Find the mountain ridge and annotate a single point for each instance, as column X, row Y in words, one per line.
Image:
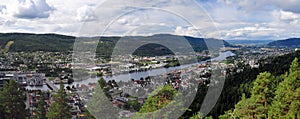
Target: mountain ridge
column 29, row 42
column 290, row 42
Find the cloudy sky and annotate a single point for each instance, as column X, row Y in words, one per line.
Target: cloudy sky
column 224, row 19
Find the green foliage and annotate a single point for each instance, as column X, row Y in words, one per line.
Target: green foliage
column 257, row 105
column 60, row 109
column 133, row 105
column 41, row 110
column 197, row 116
column 238, row 83
column 286, row 93
column 51, row 78
column 228, row 115
column 12, row 101
column 33, row 42
column 59, row 43
column 162, row 104
column 173, row 63
column 263, row 103
column 102, row 82
column 159, row 100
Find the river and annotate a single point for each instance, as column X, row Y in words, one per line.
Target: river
column 137, row 75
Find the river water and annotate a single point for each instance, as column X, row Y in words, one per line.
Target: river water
column 136, row 75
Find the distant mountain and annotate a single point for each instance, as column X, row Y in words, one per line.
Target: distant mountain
column 292, row 42
column 198, row 44
column 249, row 42
column 62, row 43
column 37, row 42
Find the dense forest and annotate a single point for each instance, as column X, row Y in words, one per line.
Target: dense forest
column 239, row 86
column 271, row 97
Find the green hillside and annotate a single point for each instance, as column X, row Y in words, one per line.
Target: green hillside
column 61, row 43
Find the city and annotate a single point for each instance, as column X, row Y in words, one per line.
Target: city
column 143, row 59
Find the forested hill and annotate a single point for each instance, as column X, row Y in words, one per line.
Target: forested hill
column 37, row 42
column 238, row 83
column 61, row 43
column 292, row 42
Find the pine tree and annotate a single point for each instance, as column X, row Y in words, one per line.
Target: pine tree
column 261, row 94
column 160, row 100
column 294, row 108
column 60, row 109
column 257, row 105
column 164, row 102
column 41, row 110
column 228, row 115
column 286, row 92
column 12, row 101
column 244, row 108
column 197, row 116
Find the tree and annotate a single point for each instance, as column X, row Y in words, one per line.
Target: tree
column 228, row 115
column 294, row 111
column 12, row 101
column 100, row 106
column 60, row 109
column 41, row 110
column 263, row 103
column 133, row 105
column 102, row 82
column 164, row 102
column 286, row 93
column 199, row 116
column 257, row 105
column 244, row 108
column 159, row 100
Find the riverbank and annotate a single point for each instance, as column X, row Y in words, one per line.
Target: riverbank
column 137, row 75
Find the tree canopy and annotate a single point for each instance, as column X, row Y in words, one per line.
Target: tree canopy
column 264, row 103
column 60, row 109
column 12, row 99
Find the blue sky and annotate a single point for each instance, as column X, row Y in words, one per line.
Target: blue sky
column 224, row 19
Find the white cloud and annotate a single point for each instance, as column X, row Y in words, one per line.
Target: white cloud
column 257, row 32
column 236, row 19
column 86, row 13
column 123, row 21
column 187, row 31
column 29, row 9
column 288, row 16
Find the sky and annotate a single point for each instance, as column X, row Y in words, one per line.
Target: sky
column 222, row 19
